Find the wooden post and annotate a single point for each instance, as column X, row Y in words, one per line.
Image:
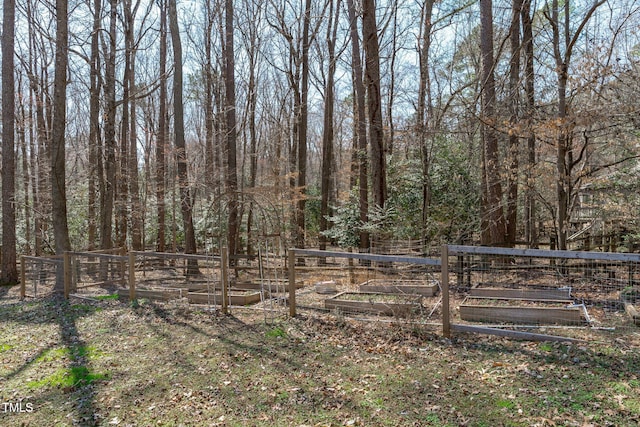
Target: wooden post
column 23, row 278
column 75, row 273
column 292, row 282
column 123, row 268
column 444, row 284
column 224, row 266
column 352, row 277
column 66, row 271
column 132, row 276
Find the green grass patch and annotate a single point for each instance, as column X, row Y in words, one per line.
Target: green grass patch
column 5, row 347
column 506, row 404
column 107, row 297
column 83, row 308
column 73, row 353
column 276, row 332
column 75, row 376
column 545, row 346
column 52, row 354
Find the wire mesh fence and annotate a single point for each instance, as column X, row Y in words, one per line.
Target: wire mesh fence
column 365, row 284
column 198, row 279
column 38, row 275
column 96, row 273
column 544, row 291
column 516, row 292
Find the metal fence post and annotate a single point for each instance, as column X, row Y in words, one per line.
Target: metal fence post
column 132, row 276
column 23, row 278
column 444, row 284
column 224, row 266
column 66, row 271
column 292, row 282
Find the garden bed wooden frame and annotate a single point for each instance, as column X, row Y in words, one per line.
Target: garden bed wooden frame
column 234, row 297
column 557, row 294
column 165, row 294
column 374, row 303
column 268, row 284
column 520, row 314
column 385, row 286
column 632, row 311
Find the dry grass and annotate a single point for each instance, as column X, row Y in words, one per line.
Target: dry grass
column 109, row 363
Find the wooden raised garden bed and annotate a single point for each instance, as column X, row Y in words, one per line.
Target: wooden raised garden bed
column 155, row 294
column 236, row 297
column 630, row 298
column 274, row 285
column 495, row 310
column 559, row 294
column 193, row 285
column 632, row 312
column 377, row 303
column 418, row 287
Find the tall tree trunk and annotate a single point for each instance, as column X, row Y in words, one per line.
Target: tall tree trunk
column 136, row 208
column 302, row 127
column 95, row 150
column 161, row 142
column 424, row 108
column 530, row 202
column 107, row 193
column 390, row 136
column 208, row 77
column 328, row 131
column 186, row 202
column 58, row 158
column 230, row 104
column 562, row 140
column 360, row 126
column 372, row 79
column 9, row 273
column 40, row 156
column 122, row 214
column 514, row 117
column 563, row 45
column 492, row 208
column 21, row 131
column 252, row 104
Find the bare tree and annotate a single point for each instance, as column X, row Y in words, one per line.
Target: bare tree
column 494, row 233
column 514, row 118
column 24, row 117
column 161, row 142
column 230, row 104
column 563, row 44
column 424, row 110
column 186, row 202
column 372, row 79
column 58, row 157
column 527, row 50
column 9, row 274
column 361, row 125
column 253, row 42
column 136, row 208
column 123, row 217
column 95, row 140
column 303, row 125
column 108, row 184
column 40, row 113
column 328, row 128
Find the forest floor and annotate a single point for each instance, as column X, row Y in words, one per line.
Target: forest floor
column 110, row 363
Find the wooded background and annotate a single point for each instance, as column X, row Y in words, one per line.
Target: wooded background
column 183, row 125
